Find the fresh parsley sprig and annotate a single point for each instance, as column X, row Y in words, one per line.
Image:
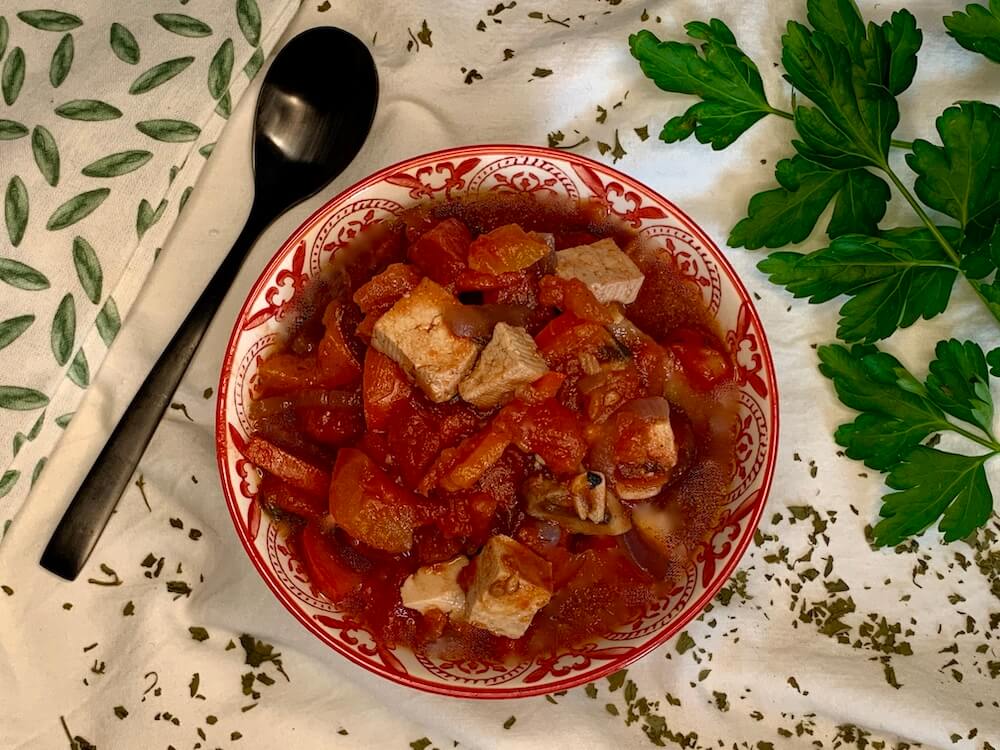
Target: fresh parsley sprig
column 898, row 414
column 850, row 73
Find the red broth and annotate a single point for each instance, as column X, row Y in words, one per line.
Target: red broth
column 377, row 473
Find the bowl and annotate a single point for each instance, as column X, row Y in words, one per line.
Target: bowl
column 478, row 170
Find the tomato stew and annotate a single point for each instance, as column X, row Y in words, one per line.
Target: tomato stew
column 501, row 429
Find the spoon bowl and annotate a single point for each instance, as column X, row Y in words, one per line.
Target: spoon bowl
column 307, row 129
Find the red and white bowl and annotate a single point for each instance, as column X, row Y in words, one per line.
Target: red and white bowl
column 479, row 170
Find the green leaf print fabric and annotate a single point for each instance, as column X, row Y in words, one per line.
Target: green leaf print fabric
column 108, row 113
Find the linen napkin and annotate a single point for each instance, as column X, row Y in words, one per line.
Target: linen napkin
column 109, row 112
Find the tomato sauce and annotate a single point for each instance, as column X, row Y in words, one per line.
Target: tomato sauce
column 605, row 471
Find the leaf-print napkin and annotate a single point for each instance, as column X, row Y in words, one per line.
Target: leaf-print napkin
column 109, row 112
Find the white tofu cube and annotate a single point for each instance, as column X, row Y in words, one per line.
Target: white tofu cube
column 414, row 334
column 608, row 272
column 509, row 361
column 511, row 584
column 435, row 587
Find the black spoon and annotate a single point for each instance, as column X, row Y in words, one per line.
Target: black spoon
column 314, row 112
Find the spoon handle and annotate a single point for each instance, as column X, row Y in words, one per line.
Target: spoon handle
column 84, row 520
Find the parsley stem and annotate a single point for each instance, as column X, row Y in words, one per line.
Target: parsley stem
column 936, row 232
column 906, row 145
column 988, row 443
column 919, row 210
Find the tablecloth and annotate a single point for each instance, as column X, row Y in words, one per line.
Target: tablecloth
column 169, row 639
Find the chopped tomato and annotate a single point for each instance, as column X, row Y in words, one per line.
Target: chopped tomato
column 416, row 221
column 284, row 373
column 431, row 545
column 572, row 295
column 479, row 453
column 567, row 337
column 284, row 465
column 383, row 387
column 547, row 540
column 549, row 429
column 701, row 355
column 503, row 482
column 522, row 289
column 461, row 467
column 478, row 281
column 366, row 328
column 386, row 248
column 369, row 506
column 441, row 252
column 556, row 329
column 414, row 440
column 655, row 364
column 605, row 391
column 332, row 426
column 384, row 290
column 337, row 357
column 276, row 494
column 376, row 446
column 430, row 627
column 507, row 248
column 468, row 515
column 328, row 571
column 455, row 420
column 545, row 387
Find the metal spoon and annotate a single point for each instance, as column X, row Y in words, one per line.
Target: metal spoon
column 314, row 112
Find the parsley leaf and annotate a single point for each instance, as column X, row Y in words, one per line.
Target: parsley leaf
column 860, row 204
column 904, row 40
column 896, row 412
column 893, row 280
column 933, row 484
column 855, row 113
column 978, row 29
column 899, row 37
column 993, row 360
column 727, row 81
column 959, row 383
column 961, row 177
column 789, row 213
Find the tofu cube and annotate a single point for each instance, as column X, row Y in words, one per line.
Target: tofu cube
column 435, row 587
column 509, row 361
column 608, row 272
column 413, row 333
column 511, row 584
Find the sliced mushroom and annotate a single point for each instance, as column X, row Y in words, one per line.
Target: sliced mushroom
column 550, row 500
column 589, row 491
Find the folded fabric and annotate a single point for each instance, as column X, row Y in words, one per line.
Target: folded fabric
column 106, row 121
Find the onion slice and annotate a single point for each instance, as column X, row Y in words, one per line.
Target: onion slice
column 478, row 321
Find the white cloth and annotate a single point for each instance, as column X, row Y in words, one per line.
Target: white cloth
column 755, row 672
